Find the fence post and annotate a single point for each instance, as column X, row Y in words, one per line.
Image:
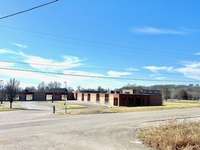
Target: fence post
column 54, row 109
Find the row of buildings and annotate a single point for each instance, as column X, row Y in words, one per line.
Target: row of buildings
column 60, row 94
column 126, row 97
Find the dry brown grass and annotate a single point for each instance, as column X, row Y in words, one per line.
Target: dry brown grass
column 172, row 136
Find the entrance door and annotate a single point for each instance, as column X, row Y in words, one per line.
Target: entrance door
column 115, row 101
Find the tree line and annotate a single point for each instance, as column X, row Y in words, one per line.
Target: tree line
column 10, row 90
column 180, row 92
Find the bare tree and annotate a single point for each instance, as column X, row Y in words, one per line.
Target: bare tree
column 42, row 87
column 53, row 86
column 12, row 87
column 31, row 88
column 166, row 93
column 183, row 94
column 2, row 92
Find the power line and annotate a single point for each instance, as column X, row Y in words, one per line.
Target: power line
column 95, row 76
column 54, row 65
column 27, row 10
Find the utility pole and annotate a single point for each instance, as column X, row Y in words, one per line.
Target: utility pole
column 66, row 93
column 1, row 91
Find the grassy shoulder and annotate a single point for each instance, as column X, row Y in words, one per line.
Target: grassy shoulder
column 83, row 109
column 62, row 105
column 4, row 107
column 172, row 136
column 166, row 105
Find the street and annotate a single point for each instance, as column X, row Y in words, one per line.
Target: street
column 41, row 130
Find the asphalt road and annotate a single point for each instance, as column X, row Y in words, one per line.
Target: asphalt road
column 40, row 130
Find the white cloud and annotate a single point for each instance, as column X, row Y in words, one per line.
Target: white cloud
column 20, row 45
column 112, row 73
column 38, row 62
column 66, row 66
column 190, row 70
column 6, row 64
column 41, row 63
column 33, row 78
column 197, row 54
column 84, row 73
column 158, row 76
column 63, row 66
column 7, row 51
column 157, row 69
column 132, row 69
column 158, row 31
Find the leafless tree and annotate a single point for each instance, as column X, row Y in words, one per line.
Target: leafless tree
column 53, row 86
column 166, row 93
column 11, row 89
column 42, row 87
column 2, row 93
column 31, row 88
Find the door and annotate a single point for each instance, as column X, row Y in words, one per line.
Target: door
column 115, row 101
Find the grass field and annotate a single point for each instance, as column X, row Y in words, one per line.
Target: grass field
column 167, row 105
column 85, row 109
column 82, row 109
column 61, row 105
column 4, row 107
column 172, row 136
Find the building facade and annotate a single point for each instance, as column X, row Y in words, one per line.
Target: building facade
column 145, row 98
column 50, row 95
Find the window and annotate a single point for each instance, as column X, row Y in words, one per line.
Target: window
column 97, row 98
column 82, row 97
column 106, row 98
column 29, row 97
column 88, row 97
column 49, row 97
column 64, row 97
column 17, row 97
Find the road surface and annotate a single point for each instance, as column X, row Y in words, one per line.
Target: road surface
column 40, row 130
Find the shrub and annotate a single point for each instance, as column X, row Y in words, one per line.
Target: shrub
column 172, row 136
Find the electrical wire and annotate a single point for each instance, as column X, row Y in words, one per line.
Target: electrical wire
column 96, row 76
column 27, row 10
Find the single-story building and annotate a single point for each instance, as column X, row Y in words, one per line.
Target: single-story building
column 48, row 95
column 142, row 98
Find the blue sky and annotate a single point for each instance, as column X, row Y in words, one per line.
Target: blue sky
column 156, row 39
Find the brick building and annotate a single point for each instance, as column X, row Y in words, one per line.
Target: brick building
column 48, row 95
column 123, row 98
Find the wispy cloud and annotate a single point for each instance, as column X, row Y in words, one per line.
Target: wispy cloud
column 158, row 76
column 42, row 63
column 190, row 70
column 20, row 45
column 158, row 31
column 132, row 69
column 7, row 51
column 6, row 64
column 113, row 73
column 197, row 53
column 157, row 69
column 67, row 65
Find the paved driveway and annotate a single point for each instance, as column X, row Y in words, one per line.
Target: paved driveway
column 40, row 130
